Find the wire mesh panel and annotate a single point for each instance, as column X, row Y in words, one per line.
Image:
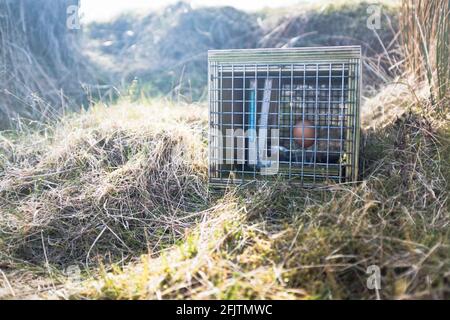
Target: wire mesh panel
column 284, row 113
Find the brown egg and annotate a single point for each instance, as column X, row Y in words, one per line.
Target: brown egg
column 304, row 129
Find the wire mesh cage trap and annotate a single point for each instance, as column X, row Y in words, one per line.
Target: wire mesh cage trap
column 284, row 113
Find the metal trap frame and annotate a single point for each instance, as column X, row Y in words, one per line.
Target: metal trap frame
column 259, row 99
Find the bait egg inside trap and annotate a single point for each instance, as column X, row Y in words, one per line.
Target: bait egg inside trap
column 284, row 113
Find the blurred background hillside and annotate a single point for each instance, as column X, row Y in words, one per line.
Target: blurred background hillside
column 48, row 68
column 166, row 50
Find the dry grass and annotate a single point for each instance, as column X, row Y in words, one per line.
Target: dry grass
column 100, row 185
column 281, row 242
column 42, row 69
column 426, row 40
column 122, row 193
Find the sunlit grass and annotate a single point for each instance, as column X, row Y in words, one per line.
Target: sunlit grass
column 122, row 193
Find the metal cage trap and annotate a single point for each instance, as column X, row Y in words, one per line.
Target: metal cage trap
column 284, row 113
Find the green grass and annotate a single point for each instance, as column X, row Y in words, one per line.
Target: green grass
column 122, row 193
